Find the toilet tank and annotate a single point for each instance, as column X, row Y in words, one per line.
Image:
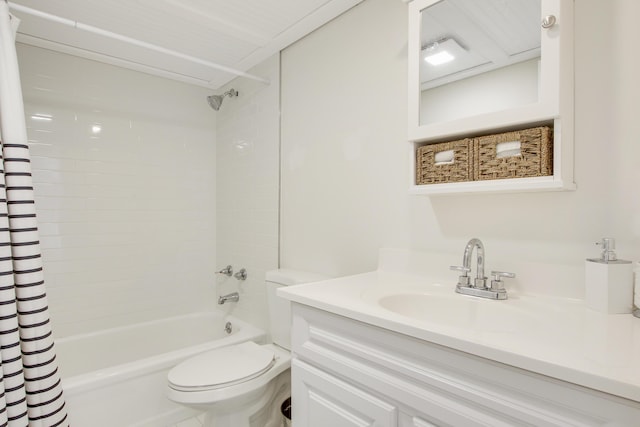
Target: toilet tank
column 280, row 308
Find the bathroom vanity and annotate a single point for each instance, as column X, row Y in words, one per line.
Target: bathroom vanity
column 401, row 348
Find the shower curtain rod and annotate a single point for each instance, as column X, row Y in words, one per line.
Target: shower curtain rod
column 135, row 42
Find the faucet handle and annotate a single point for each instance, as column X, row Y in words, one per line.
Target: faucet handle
column 463, row 279
column 227, row 271
column 496, row 279
column 241, row 275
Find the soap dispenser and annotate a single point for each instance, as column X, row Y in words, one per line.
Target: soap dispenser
column 609, row 281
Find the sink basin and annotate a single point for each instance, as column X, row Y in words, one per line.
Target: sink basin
column 458, row 311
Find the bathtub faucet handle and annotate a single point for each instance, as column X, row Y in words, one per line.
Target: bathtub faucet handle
column 241, row 275
column 227, row 271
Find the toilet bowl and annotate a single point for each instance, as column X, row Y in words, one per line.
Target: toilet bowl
column 243, row 385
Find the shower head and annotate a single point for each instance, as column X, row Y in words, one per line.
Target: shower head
column 215, row 101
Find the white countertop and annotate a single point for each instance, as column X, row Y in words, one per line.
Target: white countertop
column 557, row 337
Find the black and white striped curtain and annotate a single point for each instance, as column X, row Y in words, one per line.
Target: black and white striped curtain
column 30, row 390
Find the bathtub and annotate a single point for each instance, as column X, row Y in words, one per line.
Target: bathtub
column 118, row 377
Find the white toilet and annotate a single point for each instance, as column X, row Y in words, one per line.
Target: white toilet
column 243, row 385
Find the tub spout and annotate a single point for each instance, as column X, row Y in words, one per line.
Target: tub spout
column 232, row 297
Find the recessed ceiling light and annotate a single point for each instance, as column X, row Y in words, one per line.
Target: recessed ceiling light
column 439, row 58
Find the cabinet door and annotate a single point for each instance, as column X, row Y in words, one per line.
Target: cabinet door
column 408, row 421
column 320, row 400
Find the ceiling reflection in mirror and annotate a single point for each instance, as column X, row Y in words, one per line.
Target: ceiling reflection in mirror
column 478, row 56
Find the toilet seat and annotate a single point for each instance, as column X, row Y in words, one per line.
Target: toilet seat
column 223, row 367
column 241, row 390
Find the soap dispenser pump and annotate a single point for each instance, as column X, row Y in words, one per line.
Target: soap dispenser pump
column 609, row 281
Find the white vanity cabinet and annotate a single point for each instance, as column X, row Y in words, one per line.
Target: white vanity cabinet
column 409, row 421
column 349, row 373
column 325, row 400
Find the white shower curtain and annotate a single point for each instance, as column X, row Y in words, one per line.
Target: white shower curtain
column 30, row 390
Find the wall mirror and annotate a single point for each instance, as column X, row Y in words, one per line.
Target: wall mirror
column 478, row 56
column 482, row 64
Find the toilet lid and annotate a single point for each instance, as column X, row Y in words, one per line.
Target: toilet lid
column 222, row 367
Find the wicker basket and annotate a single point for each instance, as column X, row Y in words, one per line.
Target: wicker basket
column 535, row 157
column 430, row 172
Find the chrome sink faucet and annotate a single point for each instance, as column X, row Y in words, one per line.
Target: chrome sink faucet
column 480, row 281
column 479, row 287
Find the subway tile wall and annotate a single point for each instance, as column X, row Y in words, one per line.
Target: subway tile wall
column 124, row 174
column 248, row 140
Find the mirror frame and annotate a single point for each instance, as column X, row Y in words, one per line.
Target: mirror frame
column 556, row 69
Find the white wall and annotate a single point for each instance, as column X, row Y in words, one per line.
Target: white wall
column 127, row 215
column 624, row 138
column 248, row 139
column 344, row 150
column 345, row 159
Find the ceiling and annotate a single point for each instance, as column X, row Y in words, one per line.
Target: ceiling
column 201, row 42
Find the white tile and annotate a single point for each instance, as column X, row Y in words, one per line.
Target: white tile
column 131, row 211
column 119, row 209
column 247, row 191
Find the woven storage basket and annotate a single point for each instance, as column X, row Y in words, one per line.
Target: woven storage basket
column 535, row 159
column 461, row 169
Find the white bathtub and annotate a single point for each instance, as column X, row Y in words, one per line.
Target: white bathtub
column 118, row 377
